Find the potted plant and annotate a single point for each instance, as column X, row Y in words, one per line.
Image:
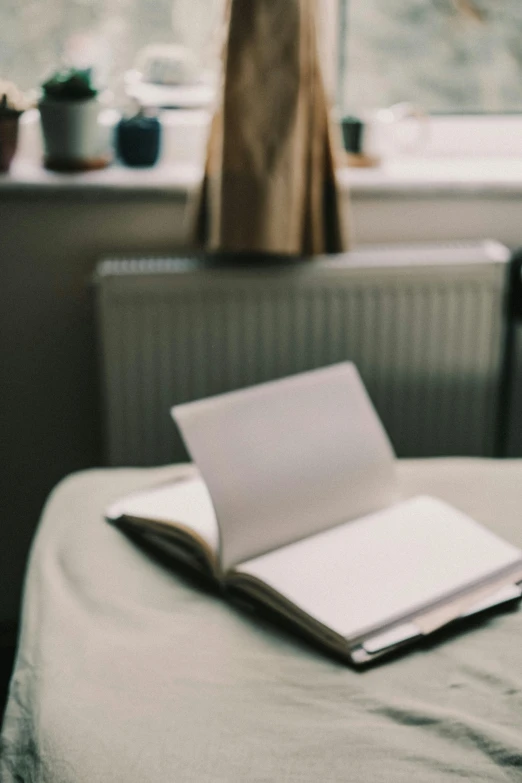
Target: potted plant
column 69, row 110
column 12, row 104
column 138, row 138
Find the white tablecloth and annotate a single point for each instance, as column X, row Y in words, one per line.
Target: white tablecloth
column 128, row 671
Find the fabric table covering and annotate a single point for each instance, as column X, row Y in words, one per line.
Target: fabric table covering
column 128, row 670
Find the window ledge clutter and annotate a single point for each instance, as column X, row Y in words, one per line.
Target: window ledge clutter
column 441, row 166
column 72, row 129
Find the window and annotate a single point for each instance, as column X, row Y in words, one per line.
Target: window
column 446, row 56
column 36, row 36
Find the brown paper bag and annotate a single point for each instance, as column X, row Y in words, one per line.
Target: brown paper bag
column 269, row 184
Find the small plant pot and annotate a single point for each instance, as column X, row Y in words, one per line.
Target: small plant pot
column 8, row 139
column 138, row 140
column 72, row 136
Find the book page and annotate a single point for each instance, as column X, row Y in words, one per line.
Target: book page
column 364, row 574
column 185, row 502
column 289, row 458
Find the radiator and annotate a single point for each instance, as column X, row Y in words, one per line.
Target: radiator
column 424, row 324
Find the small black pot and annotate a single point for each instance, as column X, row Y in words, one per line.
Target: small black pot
column 138, row 140
column 353, row 132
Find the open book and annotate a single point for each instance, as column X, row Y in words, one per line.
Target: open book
column 295, row 505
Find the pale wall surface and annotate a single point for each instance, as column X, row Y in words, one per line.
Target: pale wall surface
column 49, row 398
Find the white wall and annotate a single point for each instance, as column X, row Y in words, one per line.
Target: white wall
column 444, row 216
column 49, row 399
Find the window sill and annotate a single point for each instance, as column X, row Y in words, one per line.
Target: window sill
column 400, row 177
column 30, row 178
column 459, row 159
column 433, row 177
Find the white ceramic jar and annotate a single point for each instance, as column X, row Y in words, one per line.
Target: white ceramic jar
column 73, row 137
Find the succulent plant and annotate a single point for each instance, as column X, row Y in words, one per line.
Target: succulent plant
column 70, row 85
column 12, row 101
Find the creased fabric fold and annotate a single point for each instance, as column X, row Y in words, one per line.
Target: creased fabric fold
column 269, row 184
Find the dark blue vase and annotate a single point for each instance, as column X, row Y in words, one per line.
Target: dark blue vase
column 353, row 131
column 138, row 140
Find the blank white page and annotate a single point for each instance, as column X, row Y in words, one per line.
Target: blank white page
column 186, row 502
column 286, row 459
column 363, row 574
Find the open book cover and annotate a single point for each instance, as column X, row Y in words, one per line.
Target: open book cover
column 295, row 505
